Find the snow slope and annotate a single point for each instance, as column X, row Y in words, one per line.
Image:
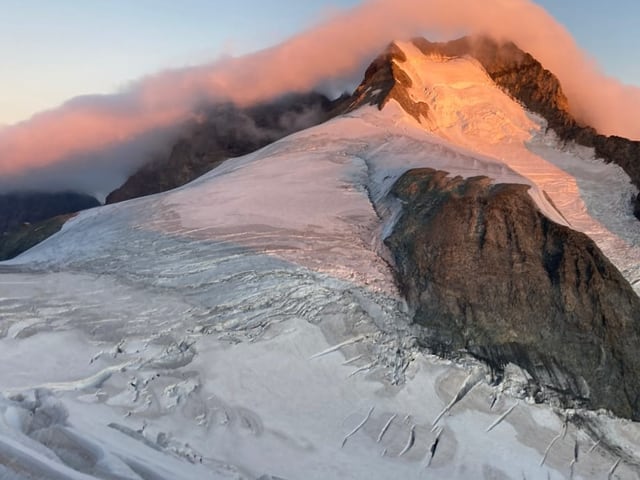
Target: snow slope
column 248, row 324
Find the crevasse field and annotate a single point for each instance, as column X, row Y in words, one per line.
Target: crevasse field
column 248, row 324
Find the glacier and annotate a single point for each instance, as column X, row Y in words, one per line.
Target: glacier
column 248, row 325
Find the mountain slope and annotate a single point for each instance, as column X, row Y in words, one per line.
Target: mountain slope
column 224, row 131
column 488, row 273
column 46, row 211
column 249, row 324
column 255, row 329
column 464, row 107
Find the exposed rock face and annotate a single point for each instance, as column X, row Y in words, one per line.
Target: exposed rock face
column 623, row 152
column 487, row 272
column 31, row 207
column 383, row 81
column 225, row 131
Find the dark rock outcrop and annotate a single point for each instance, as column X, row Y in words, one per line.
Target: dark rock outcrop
column 225, row 131
column 487, row 272
column 385, row 80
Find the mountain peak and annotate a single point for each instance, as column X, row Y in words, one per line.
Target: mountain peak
column 515, row 72
column 510, row 68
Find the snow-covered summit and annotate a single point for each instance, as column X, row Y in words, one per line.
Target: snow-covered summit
column 396, row 72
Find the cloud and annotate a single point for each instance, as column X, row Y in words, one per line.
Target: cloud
column 333, row 52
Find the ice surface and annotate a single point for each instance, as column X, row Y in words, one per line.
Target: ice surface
column 248, row 323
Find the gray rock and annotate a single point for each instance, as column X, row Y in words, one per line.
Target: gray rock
column 487, row 272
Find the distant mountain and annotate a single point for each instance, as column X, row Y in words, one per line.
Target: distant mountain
column 222, row 131
column 31, row 207
column 27, row 218
column 225, row 131
column 22, row 238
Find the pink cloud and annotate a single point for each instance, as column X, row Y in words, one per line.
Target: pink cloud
column 339, row 47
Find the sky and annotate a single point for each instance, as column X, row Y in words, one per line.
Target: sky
column 51, row 51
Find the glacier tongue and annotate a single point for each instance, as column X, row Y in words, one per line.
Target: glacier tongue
column 248, row 323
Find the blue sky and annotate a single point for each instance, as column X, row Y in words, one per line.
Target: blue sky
column 607, row 30
column 51, row 50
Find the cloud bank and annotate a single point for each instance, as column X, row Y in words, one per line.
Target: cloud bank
column 113, row 133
